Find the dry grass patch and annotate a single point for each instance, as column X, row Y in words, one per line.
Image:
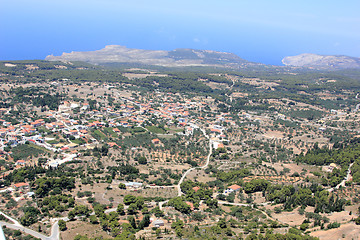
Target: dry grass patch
column 83, row 228
column 346, row 231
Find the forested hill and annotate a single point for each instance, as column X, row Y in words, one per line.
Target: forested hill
column 341, row 155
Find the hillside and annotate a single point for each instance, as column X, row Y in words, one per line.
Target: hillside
column 322, row 61
column 174, row 58
column 206, row 155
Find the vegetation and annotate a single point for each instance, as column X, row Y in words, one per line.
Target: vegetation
column 274, row 132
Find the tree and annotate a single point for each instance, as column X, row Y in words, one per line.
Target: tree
column 179, row 204
column 222, row 223
column 71, row 216
column 120, row 209
column 132, row 209
column 157, row 212
column 62, row 225
column 230, row 197
column 93, row 219
column 132, row 221
column 128, row 199
column 145, row 222
column 142, row 160
column 139, row 202
column 197, row 216
column 221, row 196
column 122, row 186
column 177, row 224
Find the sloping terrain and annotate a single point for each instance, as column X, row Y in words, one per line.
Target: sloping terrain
column 177, row 57
column 322, row 61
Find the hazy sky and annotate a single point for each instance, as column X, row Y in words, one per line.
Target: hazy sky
column 263, row 31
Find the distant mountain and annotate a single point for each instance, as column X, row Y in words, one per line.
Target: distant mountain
column 174, row 58
column 322, row 61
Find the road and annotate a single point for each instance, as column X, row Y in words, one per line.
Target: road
column 245, row 204
column 342, row 184
column 251, row 205
column 191, row 169
column 55, row 232
column 11, row 219
column 188, row 171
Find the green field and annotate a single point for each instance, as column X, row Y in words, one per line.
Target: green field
column 26, row 150
column 155, row 129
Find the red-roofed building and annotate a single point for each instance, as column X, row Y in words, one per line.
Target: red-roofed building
column 233, row 188
column 21, row 185
column 220, row 145
column 191, row 205
column 73, row 132
column 155, row 141
column 112, row 144
column 20, row 162
column 216, row 130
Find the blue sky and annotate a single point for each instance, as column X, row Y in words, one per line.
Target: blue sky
column 261, row 31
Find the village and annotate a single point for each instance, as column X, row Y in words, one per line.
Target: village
column 129, row 142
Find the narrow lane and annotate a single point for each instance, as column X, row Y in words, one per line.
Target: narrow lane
column 191, row 169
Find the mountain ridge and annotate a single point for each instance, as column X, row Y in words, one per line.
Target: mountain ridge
column 187, row 57
column 175, row 58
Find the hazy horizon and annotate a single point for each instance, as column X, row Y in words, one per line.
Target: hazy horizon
column 258, row 31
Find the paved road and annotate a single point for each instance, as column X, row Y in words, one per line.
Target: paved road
column 11, row 219
column 55, row 233
column 26, row 230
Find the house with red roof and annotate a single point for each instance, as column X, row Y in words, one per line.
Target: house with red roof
column 215, row 130
column 155, row 141
column 116, row 130
column 191, row 205
column 20, row 163
column 196, row 188
column 21, row 185
column 233, row 188
column 112, row 144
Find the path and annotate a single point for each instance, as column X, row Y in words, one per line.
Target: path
column 252, row 206
column 191, row 169
column 342, row 184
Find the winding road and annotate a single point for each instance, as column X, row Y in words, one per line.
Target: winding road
column 342, row 184
column 55, row 233
column 191, row 169
column 251, row 205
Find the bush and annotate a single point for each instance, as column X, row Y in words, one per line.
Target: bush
column 142, row 160
column 333, row 225
column 62, row 225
